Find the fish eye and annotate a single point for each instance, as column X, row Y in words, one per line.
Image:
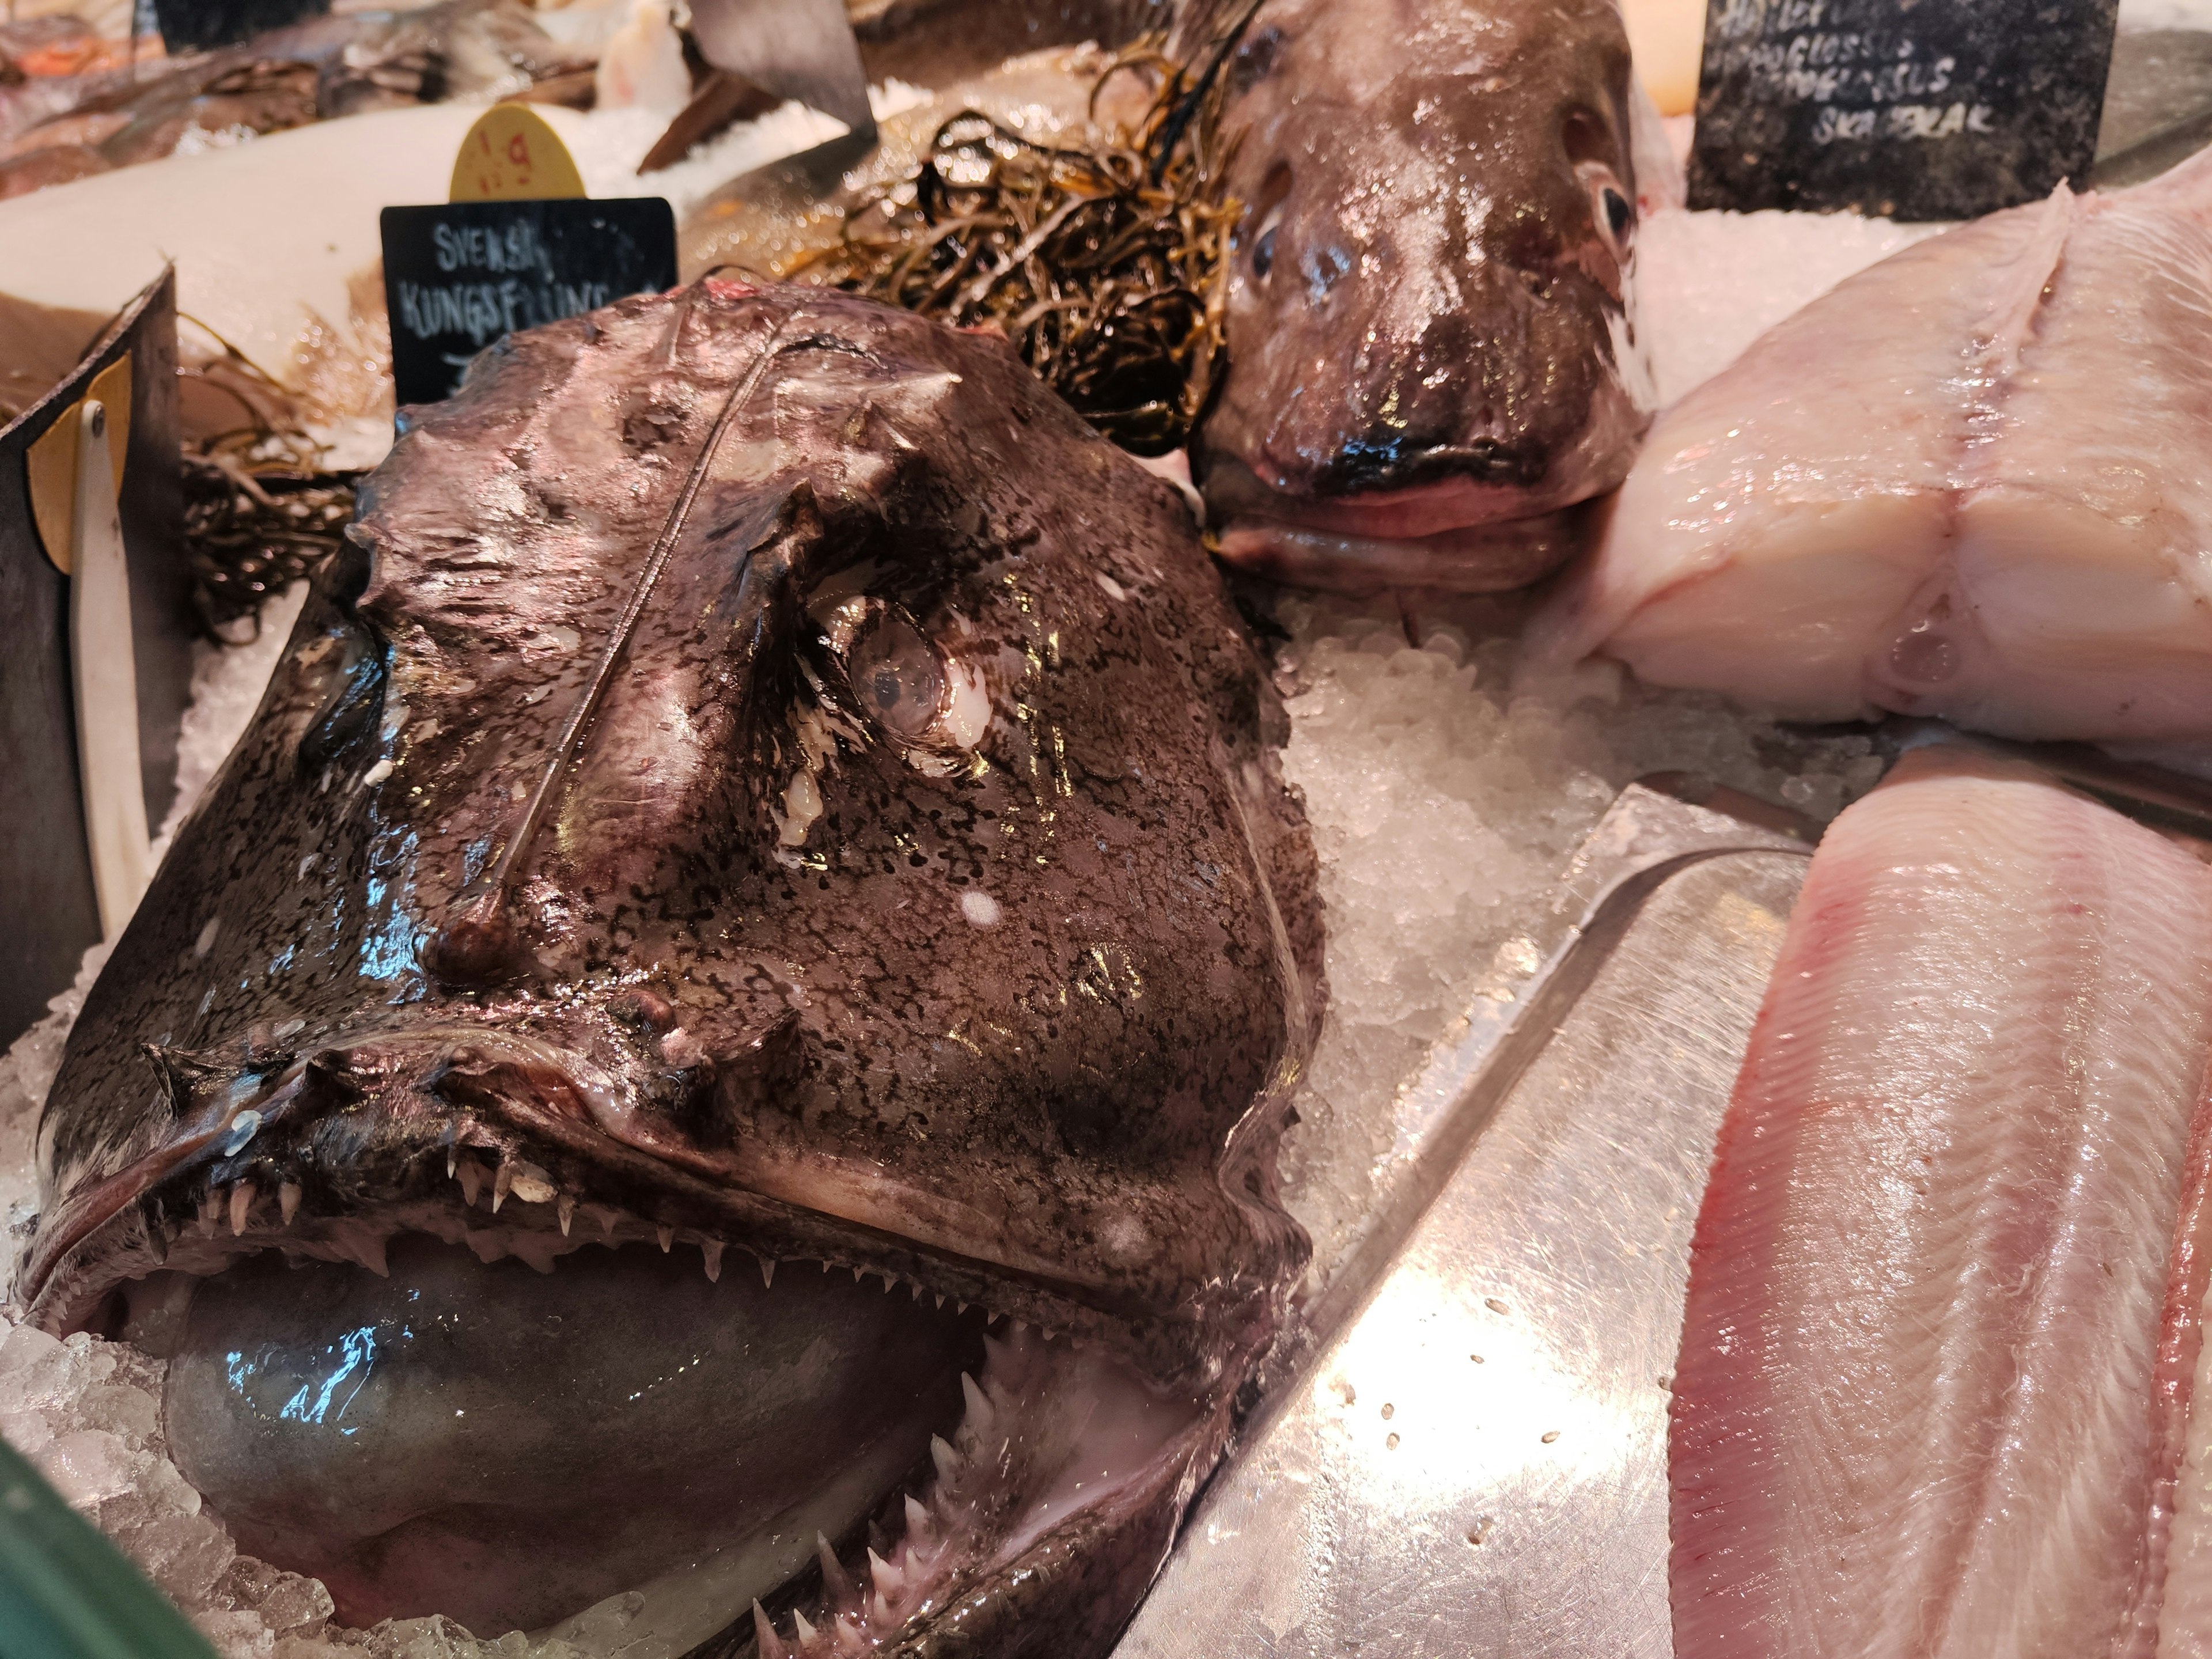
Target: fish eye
column 1618, row 213
column 897, row 677
column 1610, row 206
column 1267, row 218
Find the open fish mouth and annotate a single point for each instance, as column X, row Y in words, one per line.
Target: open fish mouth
column 1450, row 529
column 438, row 1341
column 678, row 1055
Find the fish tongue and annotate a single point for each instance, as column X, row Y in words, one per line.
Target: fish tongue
column 1918, row 1406
column 507, row 1447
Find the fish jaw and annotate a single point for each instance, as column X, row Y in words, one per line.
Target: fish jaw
column 1926, row 1392
column 1428, row 307
column 914, row 894
column 1059, row 1468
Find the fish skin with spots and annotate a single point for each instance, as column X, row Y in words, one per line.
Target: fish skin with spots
column 908, row 886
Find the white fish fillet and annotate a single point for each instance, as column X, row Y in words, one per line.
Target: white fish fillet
column 1974, row 481
column 1940, row 1340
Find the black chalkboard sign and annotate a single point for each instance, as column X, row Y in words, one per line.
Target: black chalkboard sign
column 458, row 276
column 1912, row 109
column 197, row 25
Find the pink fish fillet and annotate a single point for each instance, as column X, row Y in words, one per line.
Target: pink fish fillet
column 1946, row 1289
column 1973, row 481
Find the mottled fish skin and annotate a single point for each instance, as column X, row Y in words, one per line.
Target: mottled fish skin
column 1010, row 1003
column 1428, row 323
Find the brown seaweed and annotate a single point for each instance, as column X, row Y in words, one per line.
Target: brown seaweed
column 260, row 510
column 1104, row 263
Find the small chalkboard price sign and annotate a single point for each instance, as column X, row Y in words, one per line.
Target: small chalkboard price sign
column 460, row 275
column 1912, row 109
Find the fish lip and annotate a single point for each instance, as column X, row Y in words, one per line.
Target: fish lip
column 1393, row 470
column 711, row 1207
column 1445, row 501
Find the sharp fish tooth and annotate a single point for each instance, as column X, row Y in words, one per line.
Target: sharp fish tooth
column 946, row 1459
column 857, row 1275
column 242, row 1206
column 765, row 1638
column 712, row 1249
column 940, row 1301
column 888, row 1282
column 916, row 1288
column 287, row 1200
column 607, row 1224
column 888, row 1579
column 666, row 1234
column 850, row 1642
column 979, row 1409
column 502, row 1184
column 805, row 1630
column 917, row 1519
column 881, row 1611
column 452, row 1153
column 359, row 1244
column 471, row 1181
column 565, row 1207
column 844, row 1596
column 768, row 1273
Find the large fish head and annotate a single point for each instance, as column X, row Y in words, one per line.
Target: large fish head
column 733, row 1010
column 1428, row 330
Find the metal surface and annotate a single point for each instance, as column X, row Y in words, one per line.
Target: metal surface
column 801, row 49
column 1399, row 1498
column 104, row 678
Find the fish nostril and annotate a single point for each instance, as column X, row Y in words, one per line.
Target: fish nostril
column 1263, row 253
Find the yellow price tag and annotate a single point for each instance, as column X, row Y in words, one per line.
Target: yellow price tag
column 513, row 155
column 51, row 462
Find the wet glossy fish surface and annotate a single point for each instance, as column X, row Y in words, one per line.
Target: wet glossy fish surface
column 1967, row 483
column 1429, row 344
column 1947, row 1288
column 766, row 783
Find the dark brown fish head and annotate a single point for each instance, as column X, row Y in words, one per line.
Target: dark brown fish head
column 1429, row 335
column 744, row 984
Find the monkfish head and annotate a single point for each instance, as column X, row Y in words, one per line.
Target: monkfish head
column 1428, row 325
column 721, row 1038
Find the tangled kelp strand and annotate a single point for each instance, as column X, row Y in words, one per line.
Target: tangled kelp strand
column 259, row 510
column 1105, row 265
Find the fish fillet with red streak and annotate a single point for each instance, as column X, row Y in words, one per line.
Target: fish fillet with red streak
column 1946, row 1290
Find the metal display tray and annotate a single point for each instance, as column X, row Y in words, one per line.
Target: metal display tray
column 1462, row 1447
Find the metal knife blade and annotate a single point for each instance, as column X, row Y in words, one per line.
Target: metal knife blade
column 799, row 49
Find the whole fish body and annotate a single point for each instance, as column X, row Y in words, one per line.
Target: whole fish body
column 1431, row 344
column 766, row 791
column 1943, row 1338
column 1968, row 482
